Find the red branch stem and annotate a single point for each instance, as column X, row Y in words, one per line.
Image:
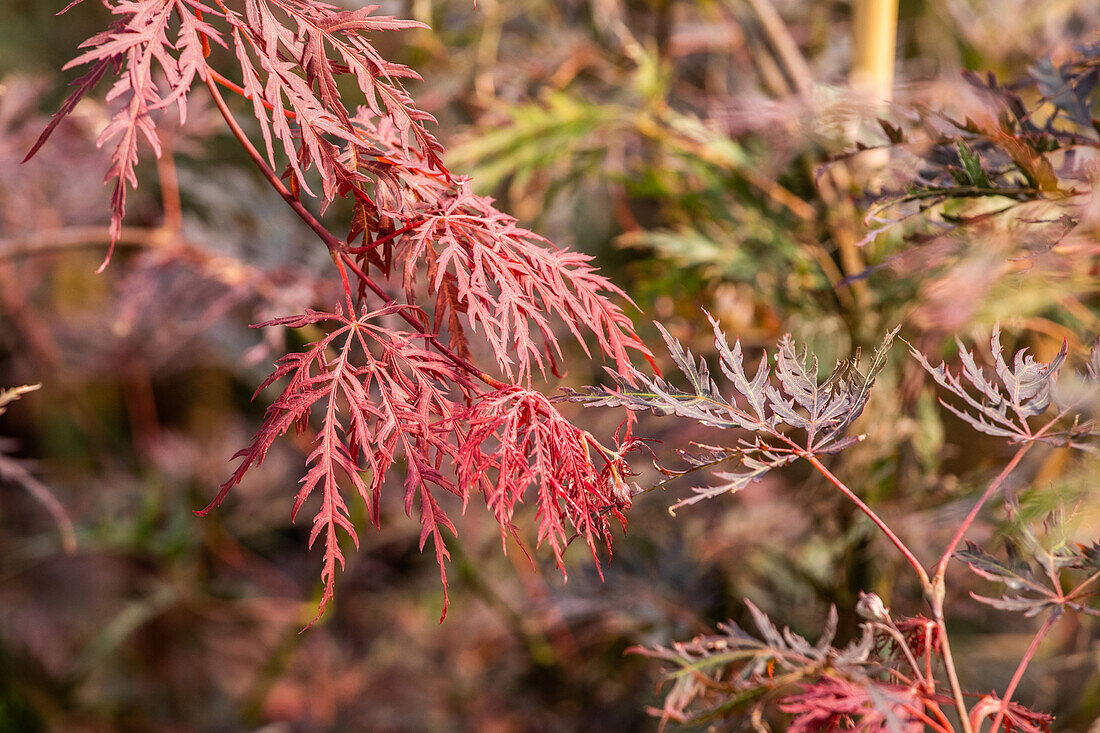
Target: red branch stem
column 1022, row 666
column 909, row 556
column 382, row 240
column 941, row 567
column 949, row 660
column 337, row 248
column 238, row 89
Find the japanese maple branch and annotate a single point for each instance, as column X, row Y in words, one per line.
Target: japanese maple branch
column 941, row 567
column 909, row 556
column 1018, row 675
column 937, row 592
column 1080, row 589
column 934, row 592
column 457, row 360
column 237, row 88
column 920, row 715
column 334, row 245
column 935, row 708
column 894, row 632
column 337, row 249
column 387, row 238
column 936, row 599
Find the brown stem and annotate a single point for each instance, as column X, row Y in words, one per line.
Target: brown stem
column 51, row 241
column 170, row 191
column 784, row 45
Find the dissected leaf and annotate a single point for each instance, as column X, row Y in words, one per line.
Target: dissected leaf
column 1072, row 95
column 715, row 676
column 798, row 402
column 511, row 285
column 867, row 706
column 1027, row 590
column 1025, row 391
column 380, row 395
column 518, row 440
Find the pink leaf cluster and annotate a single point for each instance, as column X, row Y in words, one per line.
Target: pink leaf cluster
column 379, row 393
column 382, row 396
column 518, row 439
column 138, row 44
column 835, row 704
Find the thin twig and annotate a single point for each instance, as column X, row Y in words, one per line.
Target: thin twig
column 936, row 597
column 338, row 249
column 784, row 44
column 1080, row 589
column 831, row 186
column 1022, row 666
column 238, row 89
column 937, row 592
column 11, row 470
column 872, row 516
column 51, row 241
column 374, row 244
column 893, row 630
column 949, row 660
column 941, row 567
column 326, row 236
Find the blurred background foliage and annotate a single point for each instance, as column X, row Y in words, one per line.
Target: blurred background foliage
column 701, row 149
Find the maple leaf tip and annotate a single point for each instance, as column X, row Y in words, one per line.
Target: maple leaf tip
column 208, row 508
column 115, row 232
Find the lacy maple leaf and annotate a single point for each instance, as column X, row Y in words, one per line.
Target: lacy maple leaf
column 1004, row 405
column 821, row 410
column 517, row 438
column 380, row 394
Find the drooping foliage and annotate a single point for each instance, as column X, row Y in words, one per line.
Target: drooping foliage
column 381, row 395
column 823, row 687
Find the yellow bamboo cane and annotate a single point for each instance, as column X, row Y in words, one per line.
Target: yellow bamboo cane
column 874, row 30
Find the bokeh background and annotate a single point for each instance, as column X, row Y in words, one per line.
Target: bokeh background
column 679, row 141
